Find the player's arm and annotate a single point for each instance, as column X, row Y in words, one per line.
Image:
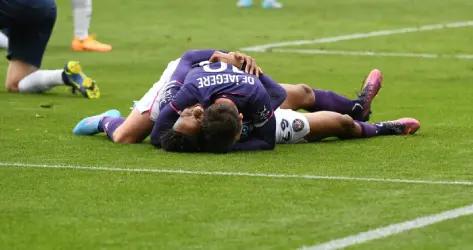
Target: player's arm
column 166, row 119
column 240, row 60
column 192, row 57
column 188, row 59
column 263, row 136
column 276, row 92
column 170, row 113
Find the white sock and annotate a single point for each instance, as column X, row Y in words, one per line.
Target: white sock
column 3, row 41
column 82, row 11
column 40, row 81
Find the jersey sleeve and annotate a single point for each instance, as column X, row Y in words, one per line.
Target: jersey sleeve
column 276, row 92
column 188, row 59
column 166, row 119
column 170, row 113
column 185, row 97
column 261, row 109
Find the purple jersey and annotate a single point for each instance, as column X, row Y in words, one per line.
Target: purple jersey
column 203, row 85
column 186, row 63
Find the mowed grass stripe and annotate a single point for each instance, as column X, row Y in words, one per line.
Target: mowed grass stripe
column 375, row 53
column 243, row 174
column 393, row 229
column 355, row 36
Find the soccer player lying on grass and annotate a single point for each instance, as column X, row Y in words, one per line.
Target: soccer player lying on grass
column 139, row 123
column 299, row 96
column 137, row 126
column 201, row 128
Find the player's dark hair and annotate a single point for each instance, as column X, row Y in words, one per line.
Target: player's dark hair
column 174, row 141
column 220, row 126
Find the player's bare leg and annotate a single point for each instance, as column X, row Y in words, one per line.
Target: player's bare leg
column 325, row 124
column 26, row 78
column 17, row 70
column 299, row 96
column 302, row 96
column 136, row 127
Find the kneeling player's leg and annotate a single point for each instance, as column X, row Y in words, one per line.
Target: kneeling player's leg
column 28, row 39
column 17, row 70
column 26, row 78
column 25, row 52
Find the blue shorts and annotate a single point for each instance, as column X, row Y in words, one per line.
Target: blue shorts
column 28, row 25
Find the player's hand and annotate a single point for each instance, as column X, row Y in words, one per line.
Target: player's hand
column 218, row 56
column 238, row 59
column 247, row 63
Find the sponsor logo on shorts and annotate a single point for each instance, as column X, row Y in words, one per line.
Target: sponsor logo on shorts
column 297, row 125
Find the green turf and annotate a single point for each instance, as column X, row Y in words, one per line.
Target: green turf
column 79, row 209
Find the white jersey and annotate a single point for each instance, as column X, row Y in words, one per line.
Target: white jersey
column 150, row 101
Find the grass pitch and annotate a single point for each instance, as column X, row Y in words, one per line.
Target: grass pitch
column 44, row 208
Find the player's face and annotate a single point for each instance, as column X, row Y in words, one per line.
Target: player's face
column 190, row 120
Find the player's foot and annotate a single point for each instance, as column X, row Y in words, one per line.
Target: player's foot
column 90, row 44
column 74, row 77
column 90, row 125
column 370, row 89
column 403, row 126
column 271, row 4
column 244, row 3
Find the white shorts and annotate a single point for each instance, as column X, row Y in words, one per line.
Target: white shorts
column 150, row 101
column 291, row 126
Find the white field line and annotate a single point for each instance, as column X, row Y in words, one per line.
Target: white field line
column 244, row 174
column 373, row 53
column 392, row 229
column 265, row 47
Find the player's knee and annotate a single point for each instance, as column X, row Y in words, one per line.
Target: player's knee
column 124, row 138
column 347, row 124
column 11, row 87
column 306, row 94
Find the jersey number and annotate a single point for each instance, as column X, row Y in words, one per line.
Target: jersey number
column 223, row 67
column 286, row 134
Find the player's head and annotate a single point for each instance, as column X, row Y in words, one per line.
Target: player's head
column 174, row 141
column 190, row 120
column 214, row 130
column 184, row 135
column 221, row 127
